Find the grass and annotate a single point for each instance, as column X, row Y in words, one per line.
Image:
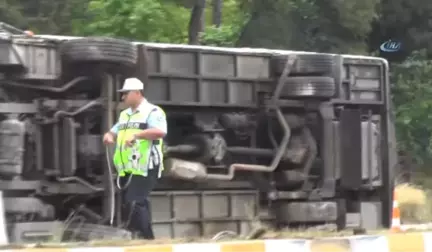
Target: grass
column 415, row 204
column 415, row 200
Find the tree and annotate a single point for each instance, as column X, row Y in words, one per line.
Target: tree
column 412, row 95
column 11, row 14
column 167, row 21
column 196, row 22
column 43, row 16
column 227, row 31
column 145, row 20
column 312, row 25
column 407, row 21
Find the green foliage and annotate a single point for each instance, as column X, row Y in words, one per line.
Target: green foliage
column 407, row 21
column 345, row 24
column 311, row 25
column 42, row 16
column 145, row 20
column 158, row 21
column 225, row 36
column 10, row 13
column 232, row 24
column 412, row 95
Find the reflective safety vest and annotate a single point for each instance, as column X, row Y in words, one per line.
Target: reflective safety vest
column 144, row 154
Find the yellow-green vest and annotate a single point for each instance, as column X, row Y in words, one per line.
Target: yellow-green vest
column 144, row 154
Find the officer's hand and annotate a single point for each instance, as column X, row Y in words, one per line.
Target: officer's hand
column 130, row 141
column 108, row 138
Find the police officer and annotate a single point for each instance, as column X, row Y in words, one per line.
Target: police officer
column 138, row 156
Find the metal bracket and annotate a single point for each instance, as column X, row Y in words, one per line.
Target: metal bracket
column 311, row 157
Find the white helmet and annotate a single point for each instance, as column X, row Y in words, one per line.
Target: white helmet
column 132, row 84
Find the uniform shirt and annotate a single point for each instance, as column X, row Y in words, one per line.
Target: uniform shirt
column 155, row 120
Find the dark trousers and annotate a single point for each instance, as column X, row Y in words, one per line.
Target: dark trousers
column 136, row 201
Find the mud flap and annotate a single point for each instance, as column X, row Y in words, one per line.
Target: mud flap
column 67, row 147
column 350, row 148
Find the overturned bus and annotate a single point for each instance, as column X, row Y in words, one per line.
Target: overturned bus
column 290, row 138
